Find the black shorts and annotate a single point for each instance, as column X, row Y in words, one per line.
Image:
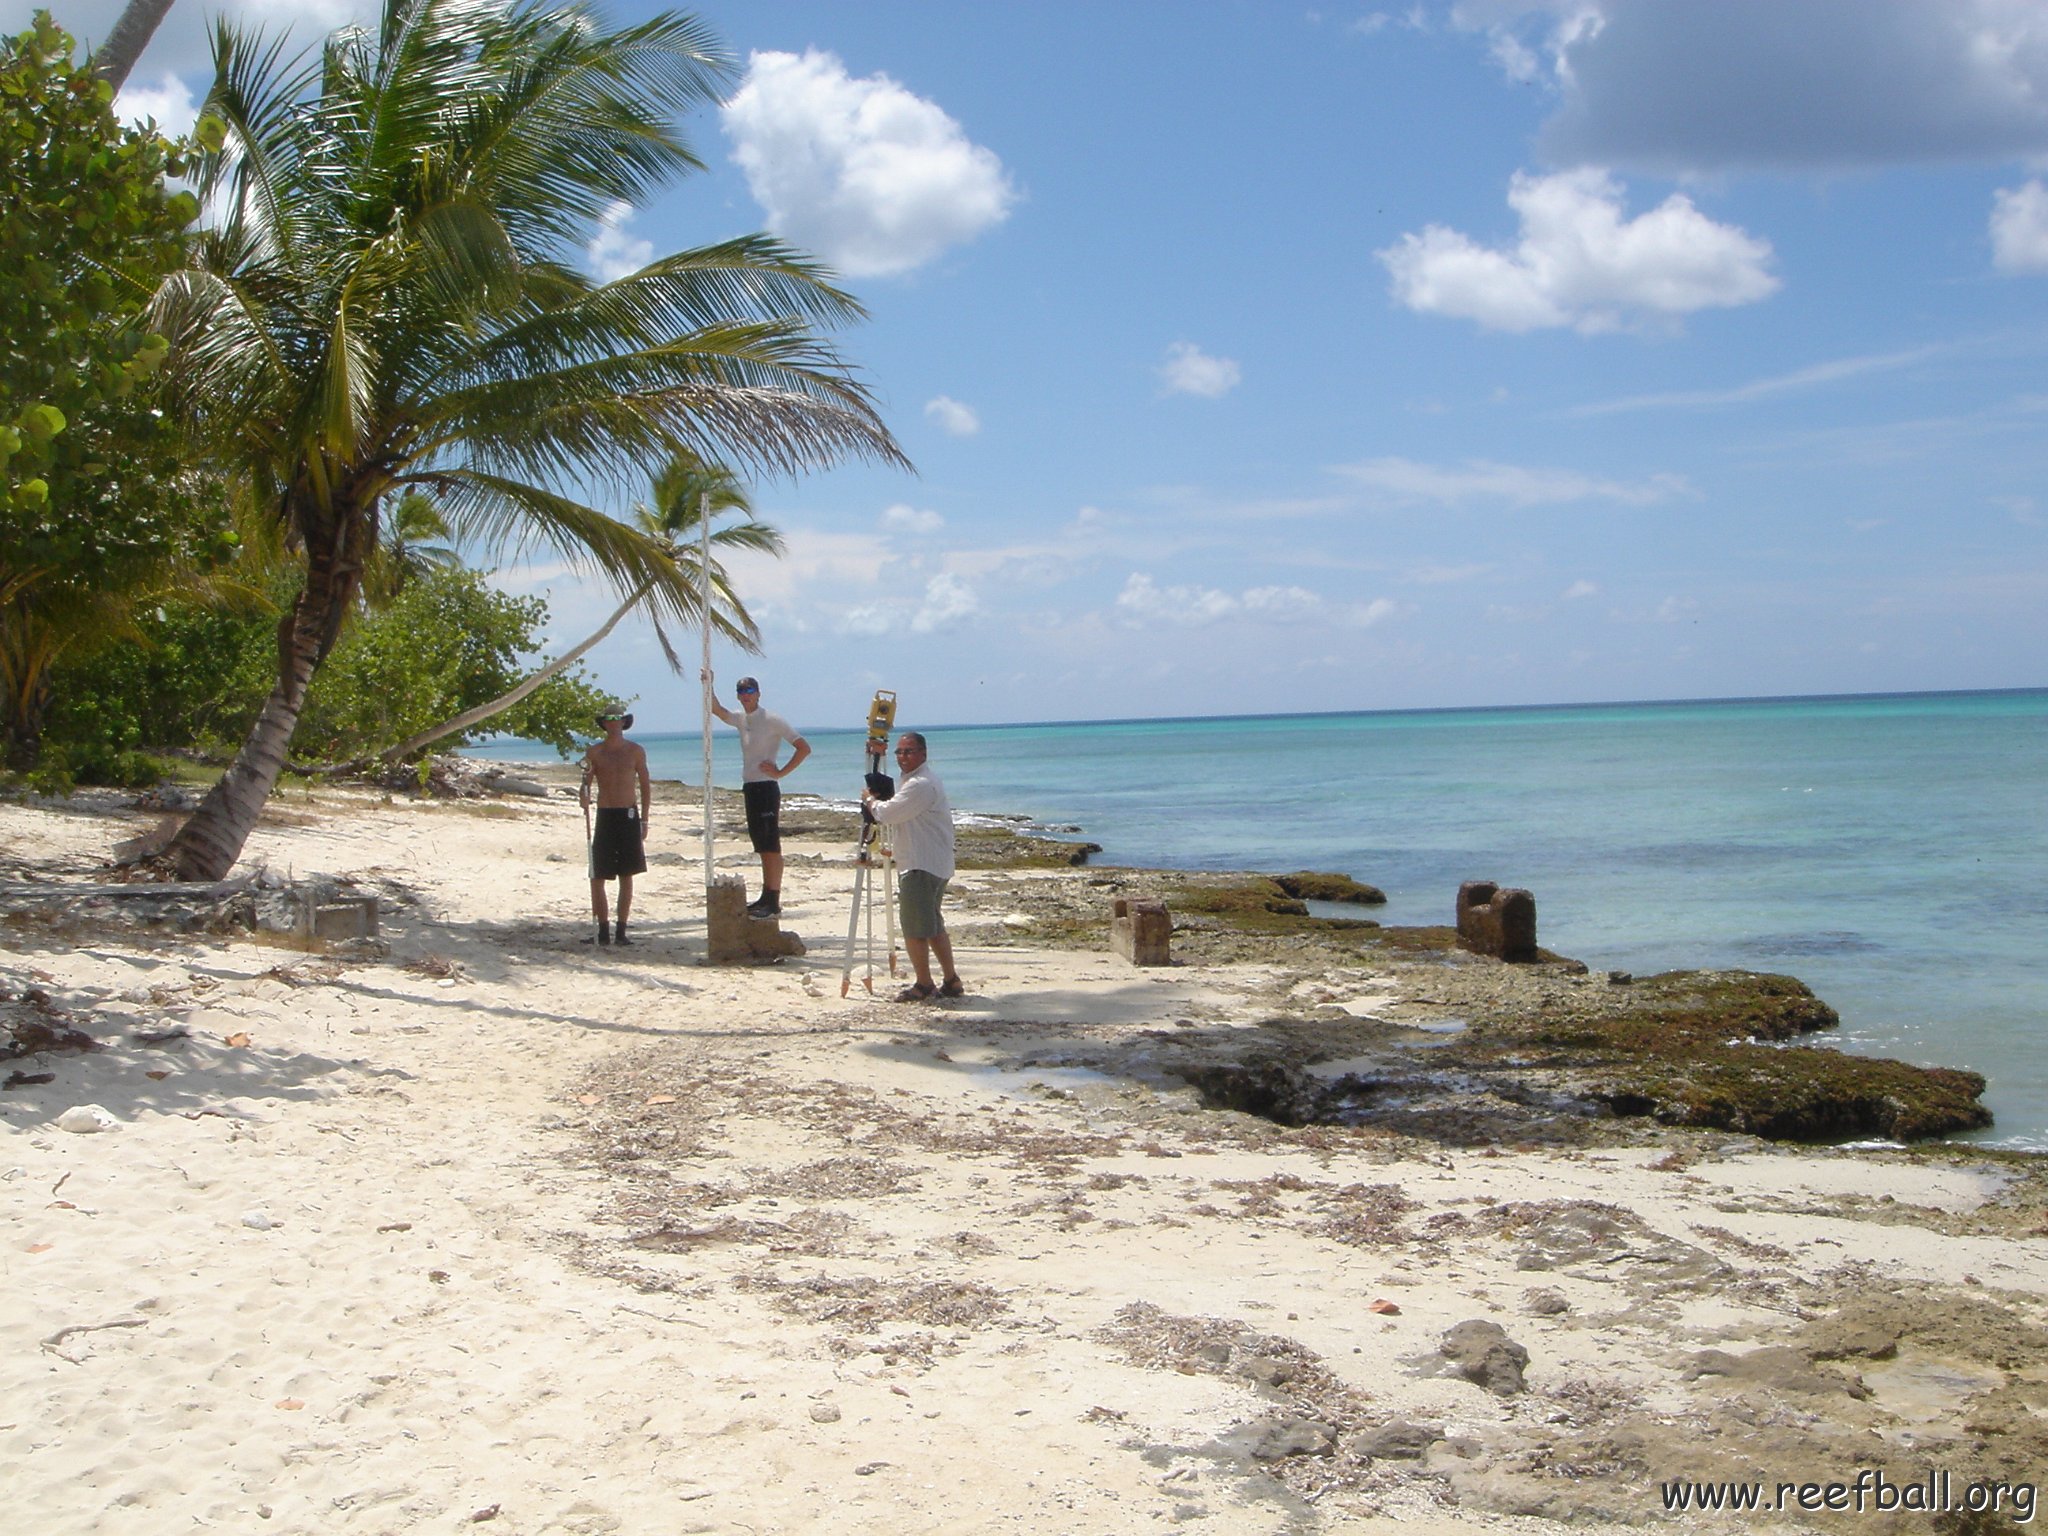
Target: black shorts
column 764, row 814
column 616, row 846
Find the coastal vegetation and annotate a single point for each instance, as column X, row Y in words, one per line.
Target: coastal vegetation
column 101, row 507
column 383, row 304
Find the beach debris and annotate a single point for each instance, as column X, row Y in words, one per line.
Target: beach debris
column 238, row 1039
column 869, row 1469
column 1496, row 921
column 62, row 1334
column 1283, row 1435
column 258, row 1220
column 1396, row 1440
column 825, row 1413
column 1385, row 1308
column 1541, row 1301
column 1482, row 1353
column 290, row 1404
column 28, row 1079
column 87, row 1120
column 488, row 1512
column 32, row 1025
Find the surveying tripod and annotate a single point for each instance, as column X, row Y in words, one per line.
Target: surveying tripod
column 874, row 852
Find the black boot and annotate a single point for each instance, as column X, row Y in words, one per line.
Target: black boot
column 767, row 904
column 619, row 937
column 604, row 930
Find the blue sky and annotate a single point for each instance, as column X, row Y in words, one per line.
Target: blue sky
column 1261, row 357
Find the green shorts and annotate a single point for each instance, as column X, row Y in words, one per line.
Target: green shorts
column 920, row 892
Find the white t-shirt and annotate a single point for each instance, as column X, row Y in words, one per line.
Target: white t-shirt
column 920, row 818
column 760, row 735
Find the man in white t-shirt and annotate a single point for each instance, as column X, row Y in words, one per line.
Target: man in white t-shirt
column 920, row 822
column 761, row 735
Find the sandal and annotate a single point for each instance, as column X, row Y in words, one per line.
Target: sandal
column 918, row 992
column 953, row 987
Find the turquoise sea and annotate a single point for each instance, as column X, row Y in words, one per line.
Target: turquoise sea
column 1890, row 850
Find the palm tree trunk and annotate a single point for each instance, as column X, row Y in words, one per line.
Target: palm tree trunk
column 503, row 702
column 131, row 34
column 211, row 840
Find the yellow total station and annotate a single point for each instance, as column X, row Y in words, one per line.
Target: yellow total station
column 881, row 720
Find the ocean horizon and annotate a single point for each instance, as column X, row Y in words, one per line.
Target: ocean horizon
column 1881, row 847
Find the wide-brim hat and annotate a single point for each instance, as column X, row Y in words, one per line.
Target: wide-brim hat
column 625, row 720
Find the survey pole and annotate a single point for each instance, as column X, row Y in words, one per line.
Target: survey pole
column 704, row 601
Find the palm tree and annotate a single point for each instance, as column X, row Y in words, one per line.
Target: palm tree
column 407, row 548
column 137, row 25
column 388, row 302
column 684, row 491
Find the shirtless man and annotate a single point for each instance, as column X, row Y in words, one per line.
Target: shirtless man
column 618, row 846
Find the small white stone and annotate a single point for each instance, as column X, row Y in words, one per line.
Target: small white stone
column 258, row 1221
column 85, row 1119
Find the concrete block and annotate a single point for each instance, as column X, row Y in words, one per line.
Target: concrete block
column 1141, row 930
column 347, row 917
column 1496, row 921
column 732, row 937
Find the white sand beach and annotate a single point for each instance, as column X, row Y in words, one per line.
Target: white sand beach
column 498, row 1228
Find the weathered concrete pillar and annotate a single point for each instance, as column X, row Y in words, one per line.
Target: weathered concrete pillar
column 732, row 937
column 1141, row 931
column 1497, row 922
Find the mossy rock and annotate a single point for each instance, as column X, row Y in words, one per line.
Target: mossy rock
column 1254, row 899
column 1314, row 885
column 1801, row 1093
column 1001, row 848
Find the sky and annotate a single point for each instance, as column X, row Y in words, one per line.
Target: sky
column 1268, row 357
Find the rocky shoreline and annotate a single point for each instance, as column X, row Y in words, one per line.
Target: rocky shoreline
column 1326, row 1226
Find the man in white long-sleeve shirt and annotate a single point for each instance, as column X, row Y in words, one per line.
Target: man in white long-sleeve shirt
column 921, row 820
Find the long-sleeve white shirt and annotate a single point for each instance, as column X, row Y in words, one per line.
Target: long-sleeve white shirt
column 921, row 819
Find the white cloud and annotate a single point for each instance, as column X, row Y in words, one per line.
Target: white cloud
column 1516, row 485
column 169, row 102
column 1579, row 589
column 1280, row 602
column 904, row 518
column 810, row 561
column 876, row 180
column 1580, row 263
column 1188, row 370
column 952, row 416
column 947, row 601
column 1816, row 376
column 612, row 252
column 1144, row 602
column 1716, row 85
column 1438, row 575
column 2019, row 229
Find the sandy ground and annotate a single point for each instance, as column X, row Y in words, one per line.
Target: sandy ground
column 501, row 1228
